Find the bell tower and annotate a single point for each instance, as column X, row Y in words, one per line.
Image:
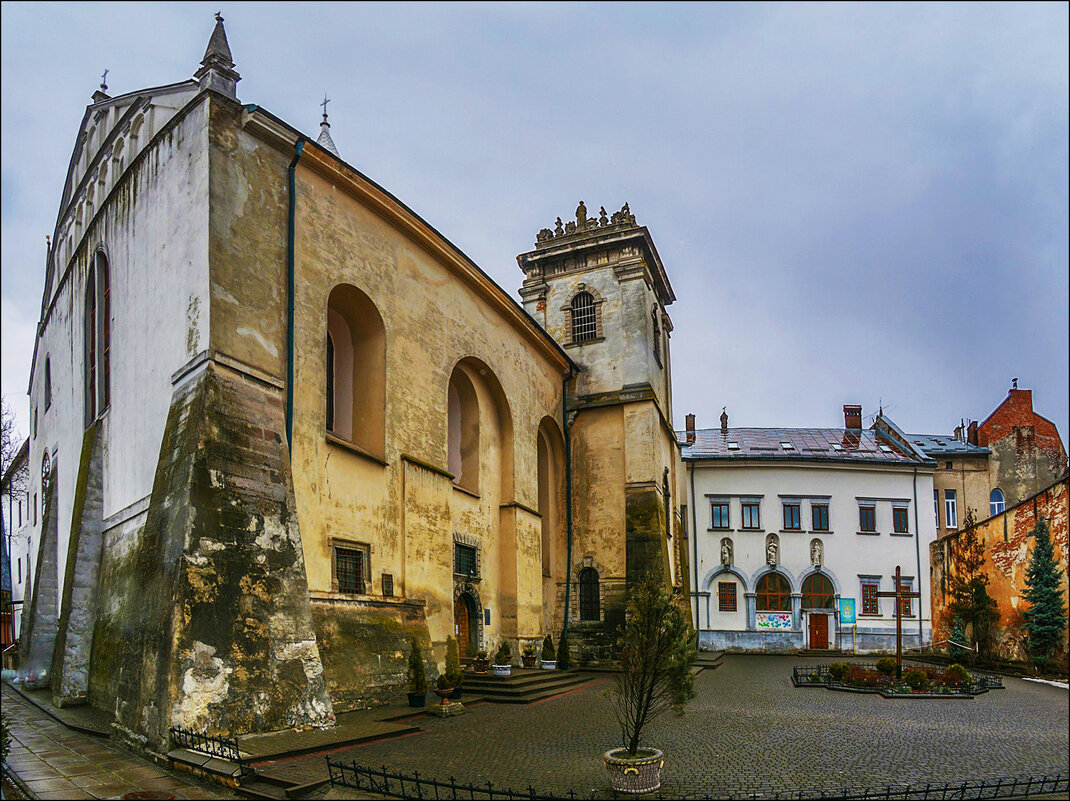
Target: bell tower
column 597, row 285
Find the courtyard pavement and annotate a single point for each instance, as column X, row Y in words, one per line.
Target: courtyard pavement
column 54, row 761
column 749, row 730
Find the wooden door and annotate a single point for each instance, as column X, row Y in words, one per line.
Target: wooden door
column 460, row 620
column 819, row 631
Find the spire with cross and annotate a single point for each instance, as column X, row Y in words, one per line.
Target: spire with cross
column 324, row 140
column 217, row 67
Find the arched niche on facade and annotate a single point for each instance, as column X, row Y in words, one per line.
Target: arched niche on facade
column 480, row 430
column 551, row 479
column 356, row 370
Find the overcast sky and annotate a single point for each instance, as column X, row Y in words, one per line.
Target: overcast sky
column 854, row 203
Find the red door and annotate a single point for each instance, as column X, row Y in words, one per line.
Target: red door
column 819, row 631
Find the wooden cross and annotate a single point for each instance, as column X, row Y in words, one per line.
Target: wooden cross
column 900, row 595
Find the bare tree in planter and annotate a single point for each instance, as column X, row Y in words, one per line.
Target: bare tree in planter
column 656, row 651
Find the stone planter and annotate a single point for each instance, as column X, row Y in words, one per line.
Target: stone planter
column 529, row 661
column 502, row 670
column 639, row 775
column 444, row 694
column 417, row 699
column 548, row 664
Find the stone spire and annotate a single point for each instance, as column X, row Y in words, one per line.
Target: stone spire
column 217, row 67
column 324, row 139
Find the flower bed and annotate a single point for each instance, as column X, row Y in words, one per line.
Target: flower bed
column 918, row 681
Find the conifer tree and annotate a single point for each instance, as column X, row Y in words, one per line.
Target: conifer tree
column 1045, row 617
column 971, row 602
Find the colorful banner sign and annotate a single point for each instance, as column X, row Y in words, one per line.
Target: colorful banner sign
column 779, row 621
column 847, row 611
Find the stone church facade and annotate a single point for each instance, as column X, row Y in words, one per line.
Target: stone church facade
column 280, row 424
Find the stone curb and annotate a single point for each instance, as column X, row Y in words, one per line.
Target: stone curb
column 10, row 774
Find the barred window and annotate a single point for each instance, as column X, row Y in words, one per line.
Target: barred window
column 464, row 560
column 350, row 570
column 726, row 596
column 584, row 321
column 590, row 606
column 871, row 604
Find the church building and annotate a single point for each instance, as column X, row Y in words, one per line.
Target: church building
column 281, row 424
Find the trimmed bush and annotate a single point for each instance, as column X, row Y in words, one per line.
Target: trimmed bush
column 916, row 679
column 504, row 655
column 955, row 675
column 416, row 676
column 564, row 661
column 858, row 676
column 838, row 670
column 548, row 649
column 886, row 666
column 453, row 663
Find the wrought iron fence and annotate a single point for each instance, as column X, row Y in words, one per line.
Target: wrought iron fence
column 219, row 747
column 980, row 680
column 414, row 786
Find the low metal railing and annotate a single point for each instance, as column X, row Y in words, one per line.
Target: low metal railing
column 980, row 680
column 219, row 747
column 414, row 786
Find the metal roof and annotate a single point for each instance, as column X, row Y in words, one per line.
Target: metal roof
column 940, row 445
column 806, row 444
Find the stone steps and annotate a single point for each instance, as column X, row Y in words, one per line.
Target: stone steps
column 523, row 686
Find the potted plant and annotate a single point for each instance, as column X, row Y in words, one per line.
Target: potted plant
column 443, row 689
column 528, row 655
column 481, row 663
column 563, row 656
column 416, row 676
column 453, row 669
column 549, row 660
column 502, row 664
column 656, row 651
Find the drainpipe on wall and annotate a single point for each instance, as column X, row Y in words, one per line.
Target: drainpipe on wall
column 568, row 494
column 694, row 536
column 291, row 188
column 917, row 548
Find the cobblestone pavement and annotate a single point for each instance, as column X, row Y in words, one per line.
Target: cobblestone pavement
column 56, row 762
column 749, row 730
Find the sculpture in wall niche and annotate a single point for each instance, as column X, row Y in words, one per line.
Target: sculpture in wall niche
column 772, row 550
column 726, row 552
column 816, row 553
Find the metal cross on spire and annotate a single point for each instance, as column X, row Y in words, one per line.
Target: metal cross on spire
column 326, row 100
column 104, row 81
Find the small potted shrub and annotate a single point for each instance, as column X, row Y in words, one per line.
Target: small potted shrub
column 453, row 672
column 563, row 660
column 549, row 658
column 416, row 675
column 502, row 664
column 481, row 663
column 528, row 655
column 656, row 651
column 916, row 679
column 886, row 666
column 838, row 670
column 443, row 689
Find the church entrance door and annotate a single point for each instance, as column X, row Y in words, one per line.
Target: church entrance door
column 819, row 630
column 466, row 628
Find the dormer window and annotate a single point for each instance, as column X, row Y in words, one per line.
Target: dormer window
column 886, row 449
column 836, row 446
column 787, row 446
column 733, row 446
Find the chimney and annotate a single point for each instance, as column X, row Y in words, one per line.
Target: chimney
column 971, row 433
column 724, row 420
column 690, row 424
column 852, row 415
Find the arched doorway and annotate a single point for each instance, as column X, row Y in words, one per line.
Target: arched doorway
column 466, row 623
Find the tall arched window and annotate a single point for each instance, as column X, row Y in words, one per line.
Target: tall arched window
column 584, row 318
column 48, row 382
column 996, row 502
column 773, row 593
column 356, row 371
column 97, row 338
column 590, row 605
column 463, row 422
column 818, row 592
column 657, row 334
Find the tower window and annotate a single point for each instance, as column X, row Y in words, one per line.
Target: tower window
column 584, row 318
column 996, row 502
column 590, row 603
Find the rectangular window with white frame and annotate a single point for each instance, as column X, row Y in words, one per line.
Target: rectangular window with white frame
column 819, row 516
column 750, row 509
column 867, row 518
column 951, row 508
column 792, row 516
column 936, row 506
column 900, row 519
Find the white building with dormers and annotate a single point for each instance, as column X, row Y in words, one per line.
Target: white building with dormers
column 787, row 522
